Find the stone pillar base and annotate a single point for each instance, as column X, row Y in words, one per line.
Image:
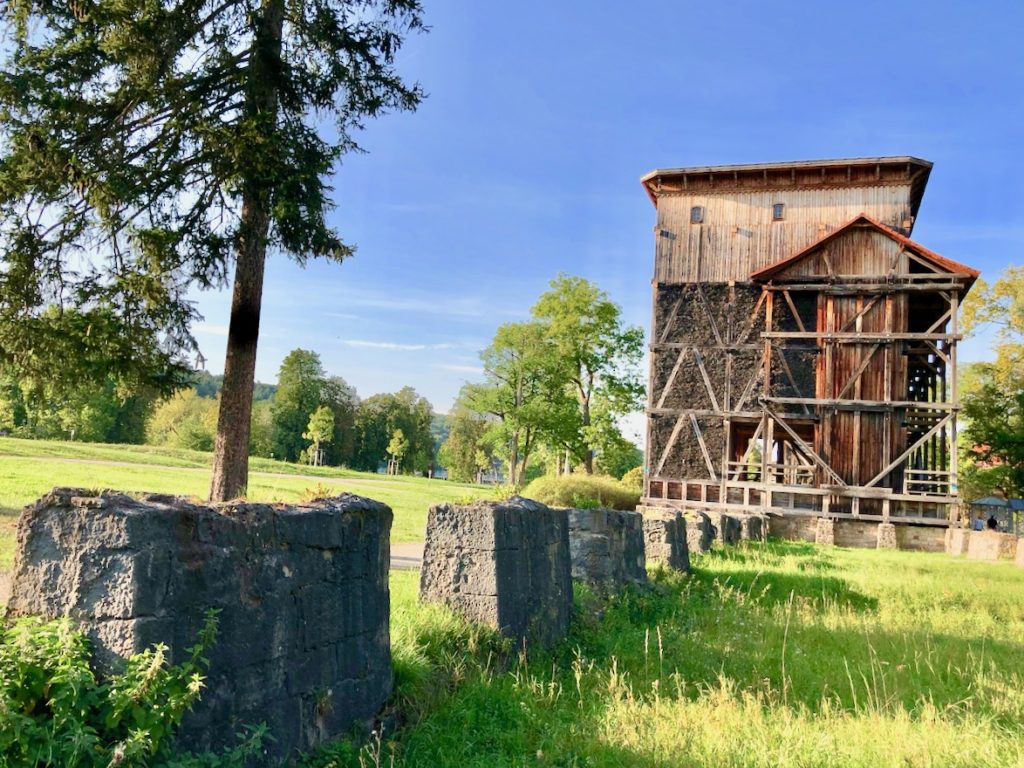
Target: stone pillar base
column 886, row 536
column 607, row 547
column 665, row 539
column 824, row 533
column 505, row 564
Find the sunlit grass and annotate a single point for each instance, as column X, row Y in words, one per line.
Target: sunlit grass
column 784, row 655
column 29, row 468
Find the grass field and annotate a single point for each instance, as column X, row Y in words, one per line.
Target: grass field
column 783, row 655
column 778, row 655
column 28, row 468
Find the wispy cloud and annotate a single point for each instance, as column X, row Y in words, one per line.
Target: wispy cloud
column 210, row 328
column 449, row 307
column 474, row 369
column 392, row 345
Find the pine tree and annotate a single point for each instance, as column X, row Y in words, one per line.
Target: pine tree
column 149, row 144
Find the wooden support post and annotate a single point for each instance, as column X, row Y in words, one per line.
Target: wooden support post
column 951, row 373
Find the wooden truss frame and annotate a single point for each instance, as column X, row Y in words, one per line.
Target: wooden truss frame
column 929, row 413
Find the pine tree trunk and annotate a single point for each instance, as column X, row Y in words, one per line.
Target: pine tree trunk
column 231, row 450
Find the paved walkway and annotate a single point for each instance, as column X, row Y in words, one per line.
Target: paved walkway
column 407, row 556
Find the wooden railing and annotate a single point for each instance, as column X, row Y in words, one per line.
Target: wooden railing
column 744, row 495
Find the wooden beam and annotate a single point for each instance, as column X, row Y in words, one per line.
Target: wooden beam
column 671, row 377
column 669, row 445
column 902, row 457
column 858, row 372
column 707, row 379
column 792, row 308
column 703, row 447
column 860, row 338
column 670, row 320
column 808, row 451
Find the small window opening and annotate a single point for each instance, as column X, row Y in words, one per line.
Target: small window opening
column 778, row 211
column 696, row 214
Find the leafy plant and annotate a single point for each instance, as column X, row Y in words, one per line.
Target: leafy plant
column 54, row 710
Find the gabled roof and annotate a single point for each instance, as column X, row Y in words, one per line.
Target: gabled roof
column 863, row 220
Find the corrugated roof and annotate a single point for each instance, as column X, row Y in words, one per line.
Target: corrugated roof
column 946, row 265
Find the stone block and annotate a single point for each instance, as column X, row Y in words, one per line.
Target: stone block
column 991, row 545
column 886, row 536
column 606, row 547
column 505, row 564
column 957, row 541
column 700, row 533
column 753, row 528
column 665, row 538
column 302, row 643
column 824, row 532
column 1019, row 560
column 725, row 528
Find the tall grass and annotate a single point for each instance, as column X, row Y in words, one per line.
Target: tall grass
column 784, row 654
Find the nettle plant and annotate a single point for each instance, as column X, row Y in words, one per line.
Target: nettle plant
column 54, row 710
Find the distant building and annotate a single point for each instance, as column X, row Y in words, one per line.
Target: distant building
column 802, row 347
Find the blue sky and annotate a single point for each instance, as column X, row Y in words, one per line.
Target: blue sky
column 525, row 160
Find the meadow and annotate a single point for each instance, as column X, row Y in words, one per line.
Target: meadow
column 29, row 468
column 783, row 654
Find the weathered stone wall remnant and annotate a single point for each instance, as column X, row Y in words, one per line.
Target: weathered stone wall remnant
column 302, row 590
column 505, row 564
column 606, row 547
column 665, row 538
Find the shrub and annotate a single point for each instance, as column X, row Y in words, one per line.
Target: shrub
column 54, row 710
column 582, row 492
column 634, row 479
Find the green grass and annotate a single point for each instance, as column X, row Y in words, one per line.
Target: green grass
column 28, row 468
column 783, row 655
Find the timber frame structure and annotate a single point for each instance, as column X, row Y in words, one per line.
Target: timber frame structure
column 803, row 347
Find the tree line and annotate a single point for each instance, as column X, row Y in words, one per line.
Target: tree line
column 553, row 391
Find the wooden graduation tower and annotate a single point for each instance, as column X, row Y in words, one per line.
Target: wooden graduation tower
column 803, row 347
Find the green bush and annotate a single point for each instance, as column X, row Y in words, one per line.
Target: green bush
column 582, row 492
column 55, row 711
column 634, row 479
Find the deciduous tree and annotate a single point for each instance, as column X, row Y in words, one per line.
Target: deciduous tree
column 319, row 431
column 600, row 353
column 300, row 383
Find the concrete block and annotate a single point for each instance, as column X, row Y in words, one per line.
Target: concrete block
column 992, row 545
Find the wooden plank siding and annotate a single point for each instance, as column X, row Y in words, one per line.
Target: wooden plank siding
column 812, row 334
column 738, row 236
